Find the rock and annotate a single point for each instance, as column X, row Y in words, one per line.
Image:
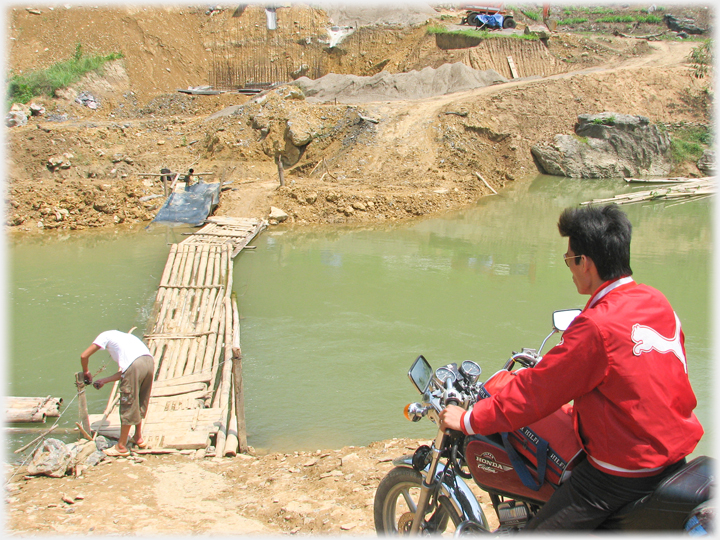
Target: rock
column 36, row 109
column 88, row 100
column 51, row 459
column 15, row 118
column 301, row 129
column 311, row 198
column 682, row 24
column 277, row 214
column 707, row 162
column 302, row 71
column 607, row 145
column 542, row 31
column 59, row 162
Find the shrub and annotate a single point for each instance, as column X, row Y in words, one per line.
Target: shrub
column 701, row 58
column 688, row 143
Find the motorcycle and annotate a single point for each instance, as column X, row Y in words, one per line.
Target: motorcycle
column 426, row 492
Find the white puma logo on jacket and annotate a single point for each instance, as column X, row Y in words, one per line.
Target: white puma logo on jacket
column 646, row 339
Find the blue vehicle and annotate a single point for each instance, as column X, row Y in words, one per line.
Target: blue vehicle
column 490, row 15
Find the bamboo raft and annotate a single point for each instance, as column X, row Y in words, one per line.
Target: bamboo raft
column 194, row 336
column 20, row 410
column 681, row 188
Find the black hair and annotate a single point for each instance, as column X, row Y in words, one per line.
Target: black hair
column 601, row 233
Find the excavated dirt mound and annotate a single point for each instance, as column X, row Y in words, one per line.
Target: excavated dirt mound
column 427, row 82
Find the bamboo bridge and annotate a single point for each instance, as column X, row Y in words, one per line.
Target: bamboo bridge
column 194, row 335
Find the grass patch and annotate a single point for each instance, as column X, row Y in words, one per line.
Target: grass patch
column 582, row 140
column 479, row 34
column 534, row 15
column 23, row 88
column 574, row 20
column 609, row 121
column 649, row 19
column 689, row 143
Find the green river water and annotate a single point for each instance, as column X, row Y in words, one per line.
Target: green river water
column 332, row 317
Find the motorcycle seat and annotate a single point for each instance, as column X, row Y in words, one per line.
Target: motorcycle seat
column 668, row 507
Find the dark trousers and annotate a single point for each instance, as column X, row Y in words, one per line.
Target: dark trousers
column 589, row 497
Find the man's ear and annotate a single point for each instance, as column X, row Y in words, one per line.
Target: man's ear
column 588, row 265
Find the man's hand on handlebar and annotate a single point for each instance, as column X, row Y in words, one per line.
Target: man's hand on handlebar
column 451, row 417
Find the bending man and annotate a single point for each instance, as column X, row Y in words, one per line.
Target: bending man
column 622, row 361
column 136, row 371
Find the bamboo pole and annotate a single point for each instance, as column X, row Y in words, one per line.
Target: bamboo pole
column 231, row 440
column 198, row 314
column 224, row 394
column 164, row 280
column 28, row 445
column 239, row 402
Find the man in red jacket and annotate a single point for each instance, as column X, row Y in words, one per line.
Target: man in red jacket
column 622, row 361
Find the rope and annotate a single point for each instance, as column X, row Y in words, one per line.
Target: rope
column 41, row 439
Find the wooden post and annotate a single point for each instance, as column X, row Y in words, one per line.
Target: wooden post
column 238, row 379
column 165, row 177
column 82, row 401
column 239, row 401
column 281, row 173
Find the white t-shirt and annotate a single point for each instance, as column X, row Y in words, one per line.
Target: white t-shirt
column 124, row 348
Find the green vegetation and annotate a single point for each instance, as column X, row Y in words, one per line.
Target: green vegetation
column 609, row 121
column 701, row 58
column 479, row 34
column 689, row 142
column 573, row 20
column 22, row 88
column 534, row 15
column 583, row 140
column 649, row 19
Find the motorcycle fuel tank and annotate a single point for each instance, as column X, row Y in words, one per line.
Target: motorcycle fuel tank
column 491, row 469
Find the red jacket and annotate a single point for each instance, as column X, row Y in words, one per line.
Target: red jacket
column 622, row 361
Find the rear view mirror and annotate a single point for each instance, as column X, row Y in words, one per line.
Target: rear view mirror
column 563, row 318
column 421, row 374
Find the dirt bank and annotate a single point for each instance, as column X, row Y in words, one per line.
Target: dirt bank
column 346, row 160
column 321, row 492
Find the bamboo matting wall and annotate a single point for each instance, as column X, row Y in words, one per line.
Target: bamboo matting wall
column 246, row 54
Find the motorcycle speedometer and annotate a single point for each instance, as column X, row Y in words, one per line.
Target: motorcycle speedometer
column 443, row 374
column 470, row 369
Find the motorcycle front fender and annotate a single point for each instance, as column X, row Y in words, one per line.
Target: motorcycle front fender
column 459, row 494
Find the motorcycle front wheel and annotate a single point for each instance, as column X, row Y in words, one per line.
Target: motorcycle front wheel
column 396, row 502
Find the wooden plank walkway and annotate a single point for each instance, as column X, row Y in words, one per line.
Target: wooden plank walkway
column 192, row 333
